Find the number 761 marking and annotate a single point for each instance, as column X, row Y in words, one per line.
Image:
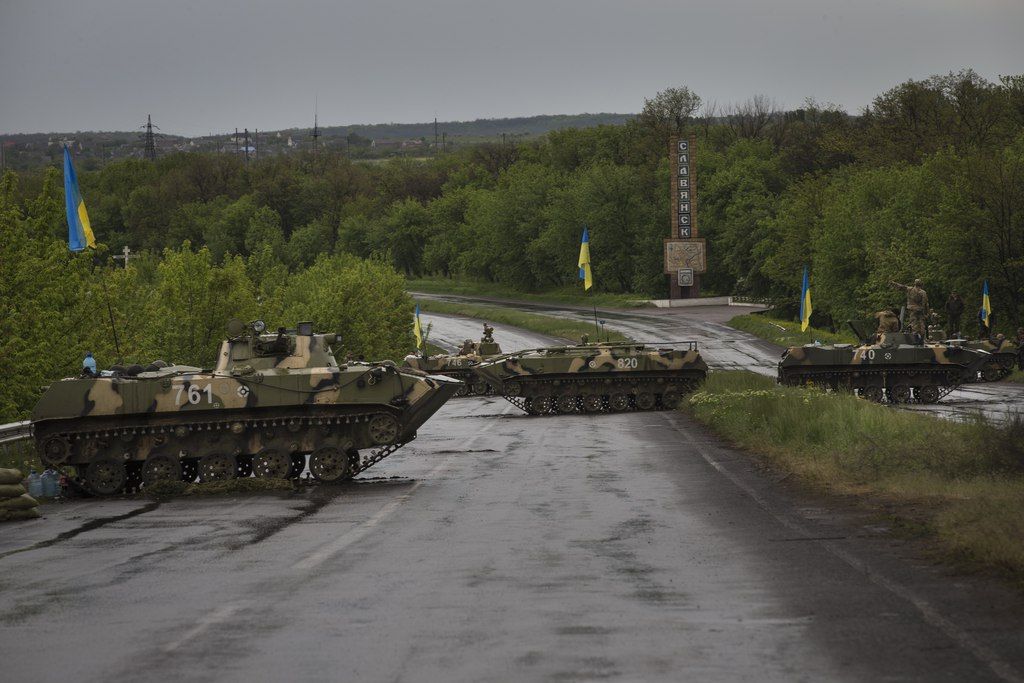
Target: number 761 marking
column 194, row 394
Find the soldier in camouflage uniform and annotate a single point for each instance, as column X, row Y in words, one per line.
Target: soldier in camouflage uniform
column 917, row 307
column 887, row 322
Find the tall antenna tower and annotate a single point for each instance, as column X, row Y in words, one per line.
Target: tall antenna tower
column 316, row 132
column 246, row 145
column 150, row 139
column 435, row 133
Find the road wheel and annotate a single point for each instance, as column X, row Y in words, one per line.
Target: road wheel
column 55, row 450
column 463, row 390
column 330, row 464
column 217, row 467
column 991, row 373
column 618, row 402
column 644, row 400
column 160, row 467
column 670, row 399
column 899, row 393
column 271, row 464
column 567, row 404
column 105, row 477
column 592, row 403
column 542, row 404
column 243, row 466
column 189, row 469
column 478, row 387
column 298, row 464
column 383, row 429
column 927, row 394
column 872, row 393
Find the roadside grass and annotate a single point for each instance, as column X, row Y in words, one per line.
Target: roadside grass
column 173, row 489
column 542, row 324
column 963, row 481
column 573, row 295
column 1016, row 376
column 786, row 333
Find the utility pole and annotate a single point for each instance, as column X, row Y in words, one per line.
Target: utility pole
column 256, row 143
column 247, row 145
column 444, row 142
column 435, row 134
column 236, row 142
column 316, row 135
column 150, row 139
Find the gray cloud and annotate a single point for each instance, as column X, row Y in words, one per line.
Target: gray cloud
column 210, row 66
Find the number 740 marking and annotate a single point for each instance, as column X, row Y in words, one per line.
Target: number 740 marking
column 194, row 394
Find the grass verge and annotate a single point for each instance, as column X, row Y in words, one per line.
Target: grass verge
column 1016, row 376
column 566, row 295
column 543, row 324
column 785, row 333
column 964, row 482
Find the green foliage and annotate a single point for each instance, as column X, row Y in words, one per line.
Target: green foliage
column 964, row 478
column 786, row 333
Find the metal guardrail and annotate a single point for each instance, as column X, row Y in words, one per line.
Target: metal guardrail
column 15, row 431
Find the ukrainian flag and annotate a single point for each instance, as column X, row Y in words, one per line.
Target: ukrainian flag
column 805, row 302
column 79, row 231
column 417, row 329
column 986, row 305
column 584, row 263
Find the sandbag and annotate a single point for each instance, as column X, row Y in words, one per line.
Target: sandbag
column 22, row 502
column 11, row 490
column 8, row 476
column 15, row 515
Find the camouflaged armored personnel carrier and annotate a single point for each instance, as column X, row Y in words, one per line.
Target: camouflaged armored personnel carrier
column 1002, row 358
column 595, row 378
column 895, row 368
column 271, row 400
column 460, row 365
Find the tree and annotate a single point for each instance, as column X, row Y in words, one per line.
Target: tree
column 670, row 110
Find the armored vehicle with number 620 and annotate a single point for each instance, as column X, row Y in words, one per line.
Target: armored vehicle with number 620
column 271, row 400
column 595, row 378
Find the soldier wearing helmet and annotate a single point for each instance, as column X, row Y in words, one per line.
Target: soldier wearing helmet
column 917, row 306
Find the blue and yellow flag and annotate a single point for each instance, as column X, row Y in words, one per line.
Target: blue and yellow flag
column 79, row 231
column 584, row 263
column 986, row 306
column 417, row 329
column 805, row 302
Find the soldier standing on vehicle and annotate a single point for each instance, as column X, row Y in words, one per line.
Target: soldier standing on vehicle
column 488, row 331
column 887, row 322
column 917, row 307
column 954, row 310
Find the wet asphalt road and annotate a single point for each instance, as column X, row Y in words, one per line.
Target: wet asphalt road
column 726, row 348
column 499, row 547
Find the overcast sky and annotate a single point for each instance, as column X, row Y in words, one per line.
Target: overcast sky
column 201, row 66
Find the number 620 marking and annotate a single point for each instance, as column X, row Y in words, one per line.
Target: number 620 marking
column 194, row 394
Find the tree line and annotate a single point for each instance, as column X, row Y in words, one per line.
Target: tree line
column 927, row 181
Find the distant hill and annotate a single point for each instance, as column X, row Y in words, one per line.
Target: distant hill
column 91, row 149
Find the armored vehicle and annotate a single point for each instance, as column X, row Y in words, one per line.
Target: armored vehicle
column 595, row 378
column 1002, row 357
column 894, row 368
column 271, row 400
column 460, row 365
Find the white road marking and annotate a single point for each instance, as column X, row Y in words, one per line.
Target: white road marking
column 353, row 535
column 222, row 613
column 998, row 666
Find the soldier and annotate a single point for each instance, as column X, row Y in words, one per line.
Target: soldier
column 888, row 321
column 467, row 347
column 488, row 331
column 954, row 309
column 917, row 306
column 584, row 339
